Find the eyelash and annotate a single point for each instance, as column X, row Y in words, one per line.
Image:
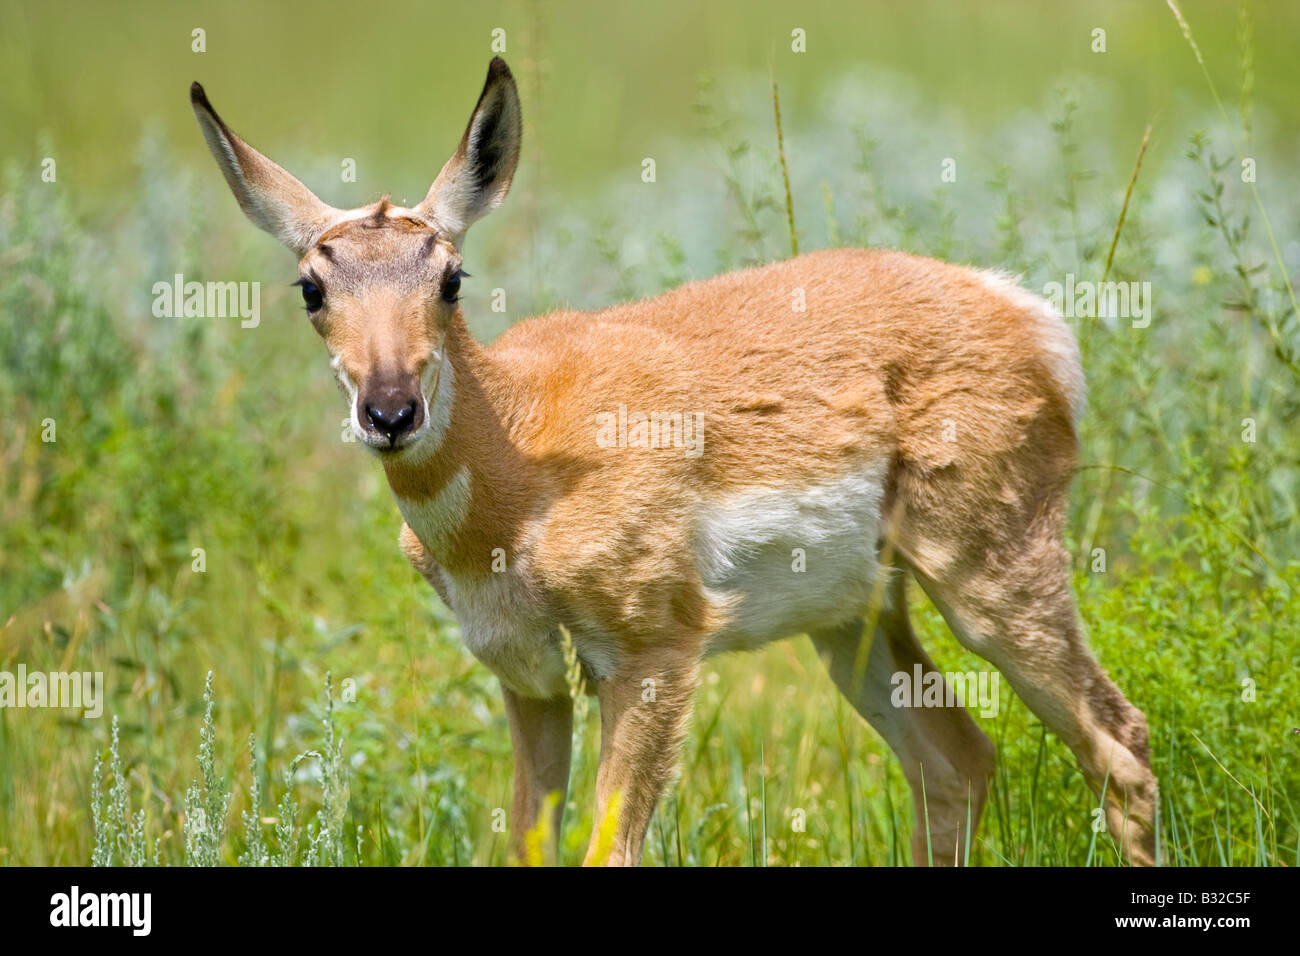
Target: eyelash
column 305, row 285
column 456, row 277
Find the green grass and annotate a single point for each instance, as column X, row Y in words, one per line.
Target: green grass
column 177, row 434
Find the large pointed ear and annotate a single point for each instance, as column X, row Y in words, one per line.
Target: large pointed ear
column 478, row 175
column 269, row 196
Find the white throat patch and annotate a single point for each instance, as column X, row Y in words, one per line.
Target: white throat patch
column 435, row 520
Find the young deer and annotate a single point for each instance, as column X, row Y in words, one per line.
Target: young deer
column 912, row 418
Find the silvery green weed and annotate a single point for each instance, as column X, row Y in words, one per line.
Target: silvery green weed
column 121, row 838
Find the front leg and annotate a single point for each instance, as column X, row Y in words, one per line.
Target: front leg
column 541, row 734
column 644, row 709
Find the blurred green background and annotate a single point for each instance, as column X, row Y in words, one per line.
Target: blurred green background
column 604, row 84
column 176, row 434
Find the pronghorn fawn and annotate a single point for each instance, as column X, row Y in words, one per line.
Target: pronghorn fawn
column 711, row 470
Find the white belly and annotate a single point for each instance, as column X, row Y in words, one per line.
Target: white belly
column 786, row 561
column 777, row 561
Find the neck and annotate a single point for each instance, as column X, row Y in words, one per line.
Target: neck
column 467, row 494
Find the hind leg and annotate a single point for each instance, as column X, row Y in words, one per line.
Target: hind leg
column 946, row 758
column 1008, row 599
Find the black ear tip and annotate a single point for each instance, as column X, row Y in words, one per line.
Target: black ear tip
column 497, row 68
column 198, row 96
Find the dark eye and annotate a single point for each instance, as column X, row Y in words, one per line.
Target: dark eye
column 451, row 286
column 311, row 295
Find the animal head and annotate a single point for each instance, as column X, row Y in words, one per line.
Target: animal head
column 381, row 282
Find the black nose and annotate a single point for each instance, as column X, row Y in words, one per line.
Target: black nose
column 393, row 418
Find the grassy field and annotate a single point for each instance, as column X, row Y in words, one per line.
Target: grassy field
column 176, row 434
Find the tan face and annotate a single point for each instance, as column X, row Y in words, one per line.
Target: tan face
column 380, row 288
column 380, row 282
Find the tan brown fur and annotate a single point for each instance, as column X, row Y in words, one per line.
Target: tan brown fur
column 949, row 393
